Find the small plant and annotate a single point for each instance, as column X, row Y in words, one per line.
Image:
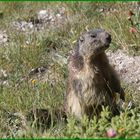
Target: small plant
column 134, row 21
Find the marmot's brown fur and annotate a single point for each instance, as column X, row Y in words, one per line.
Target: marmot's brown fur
column 92, row 82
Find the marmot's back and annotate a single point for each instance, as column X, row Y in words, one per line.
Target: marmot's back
column 92, row 82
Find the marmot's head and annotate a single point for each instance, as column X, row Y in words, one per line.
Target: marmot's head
column 93, row 42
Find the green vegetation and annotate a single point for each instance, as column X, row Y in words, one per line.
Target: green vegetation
column 18, row 58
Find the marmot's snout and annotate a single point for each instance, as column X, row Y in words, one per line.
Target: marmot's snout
column 105, row 38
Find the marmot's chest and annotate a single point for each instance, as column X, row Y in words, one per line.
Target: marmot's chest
column 93, row 85
column 91, row 76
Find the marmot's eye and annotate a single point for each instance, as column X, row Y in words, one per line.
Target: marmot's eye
column 93, row 35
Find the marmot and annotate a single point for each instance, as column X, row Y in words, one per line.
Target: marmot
column 92, row 82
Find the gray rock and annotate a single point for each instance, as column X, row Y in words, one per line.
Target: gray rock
column 23, row 25
column 128, row 67
column 42, row 14
column 3, row 37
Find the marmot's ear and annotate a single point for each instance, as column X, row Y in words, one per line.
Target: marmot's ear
column 80, row 40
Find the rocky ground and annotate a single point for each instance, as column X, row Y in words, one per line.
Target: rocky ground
column 128, row 67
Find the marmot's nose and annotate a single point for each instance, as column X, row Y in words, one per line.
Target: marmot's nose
column 108, row 37
column 105, row 38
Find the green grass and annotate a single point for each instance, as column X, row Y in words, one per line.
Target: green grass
column 18, row 58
